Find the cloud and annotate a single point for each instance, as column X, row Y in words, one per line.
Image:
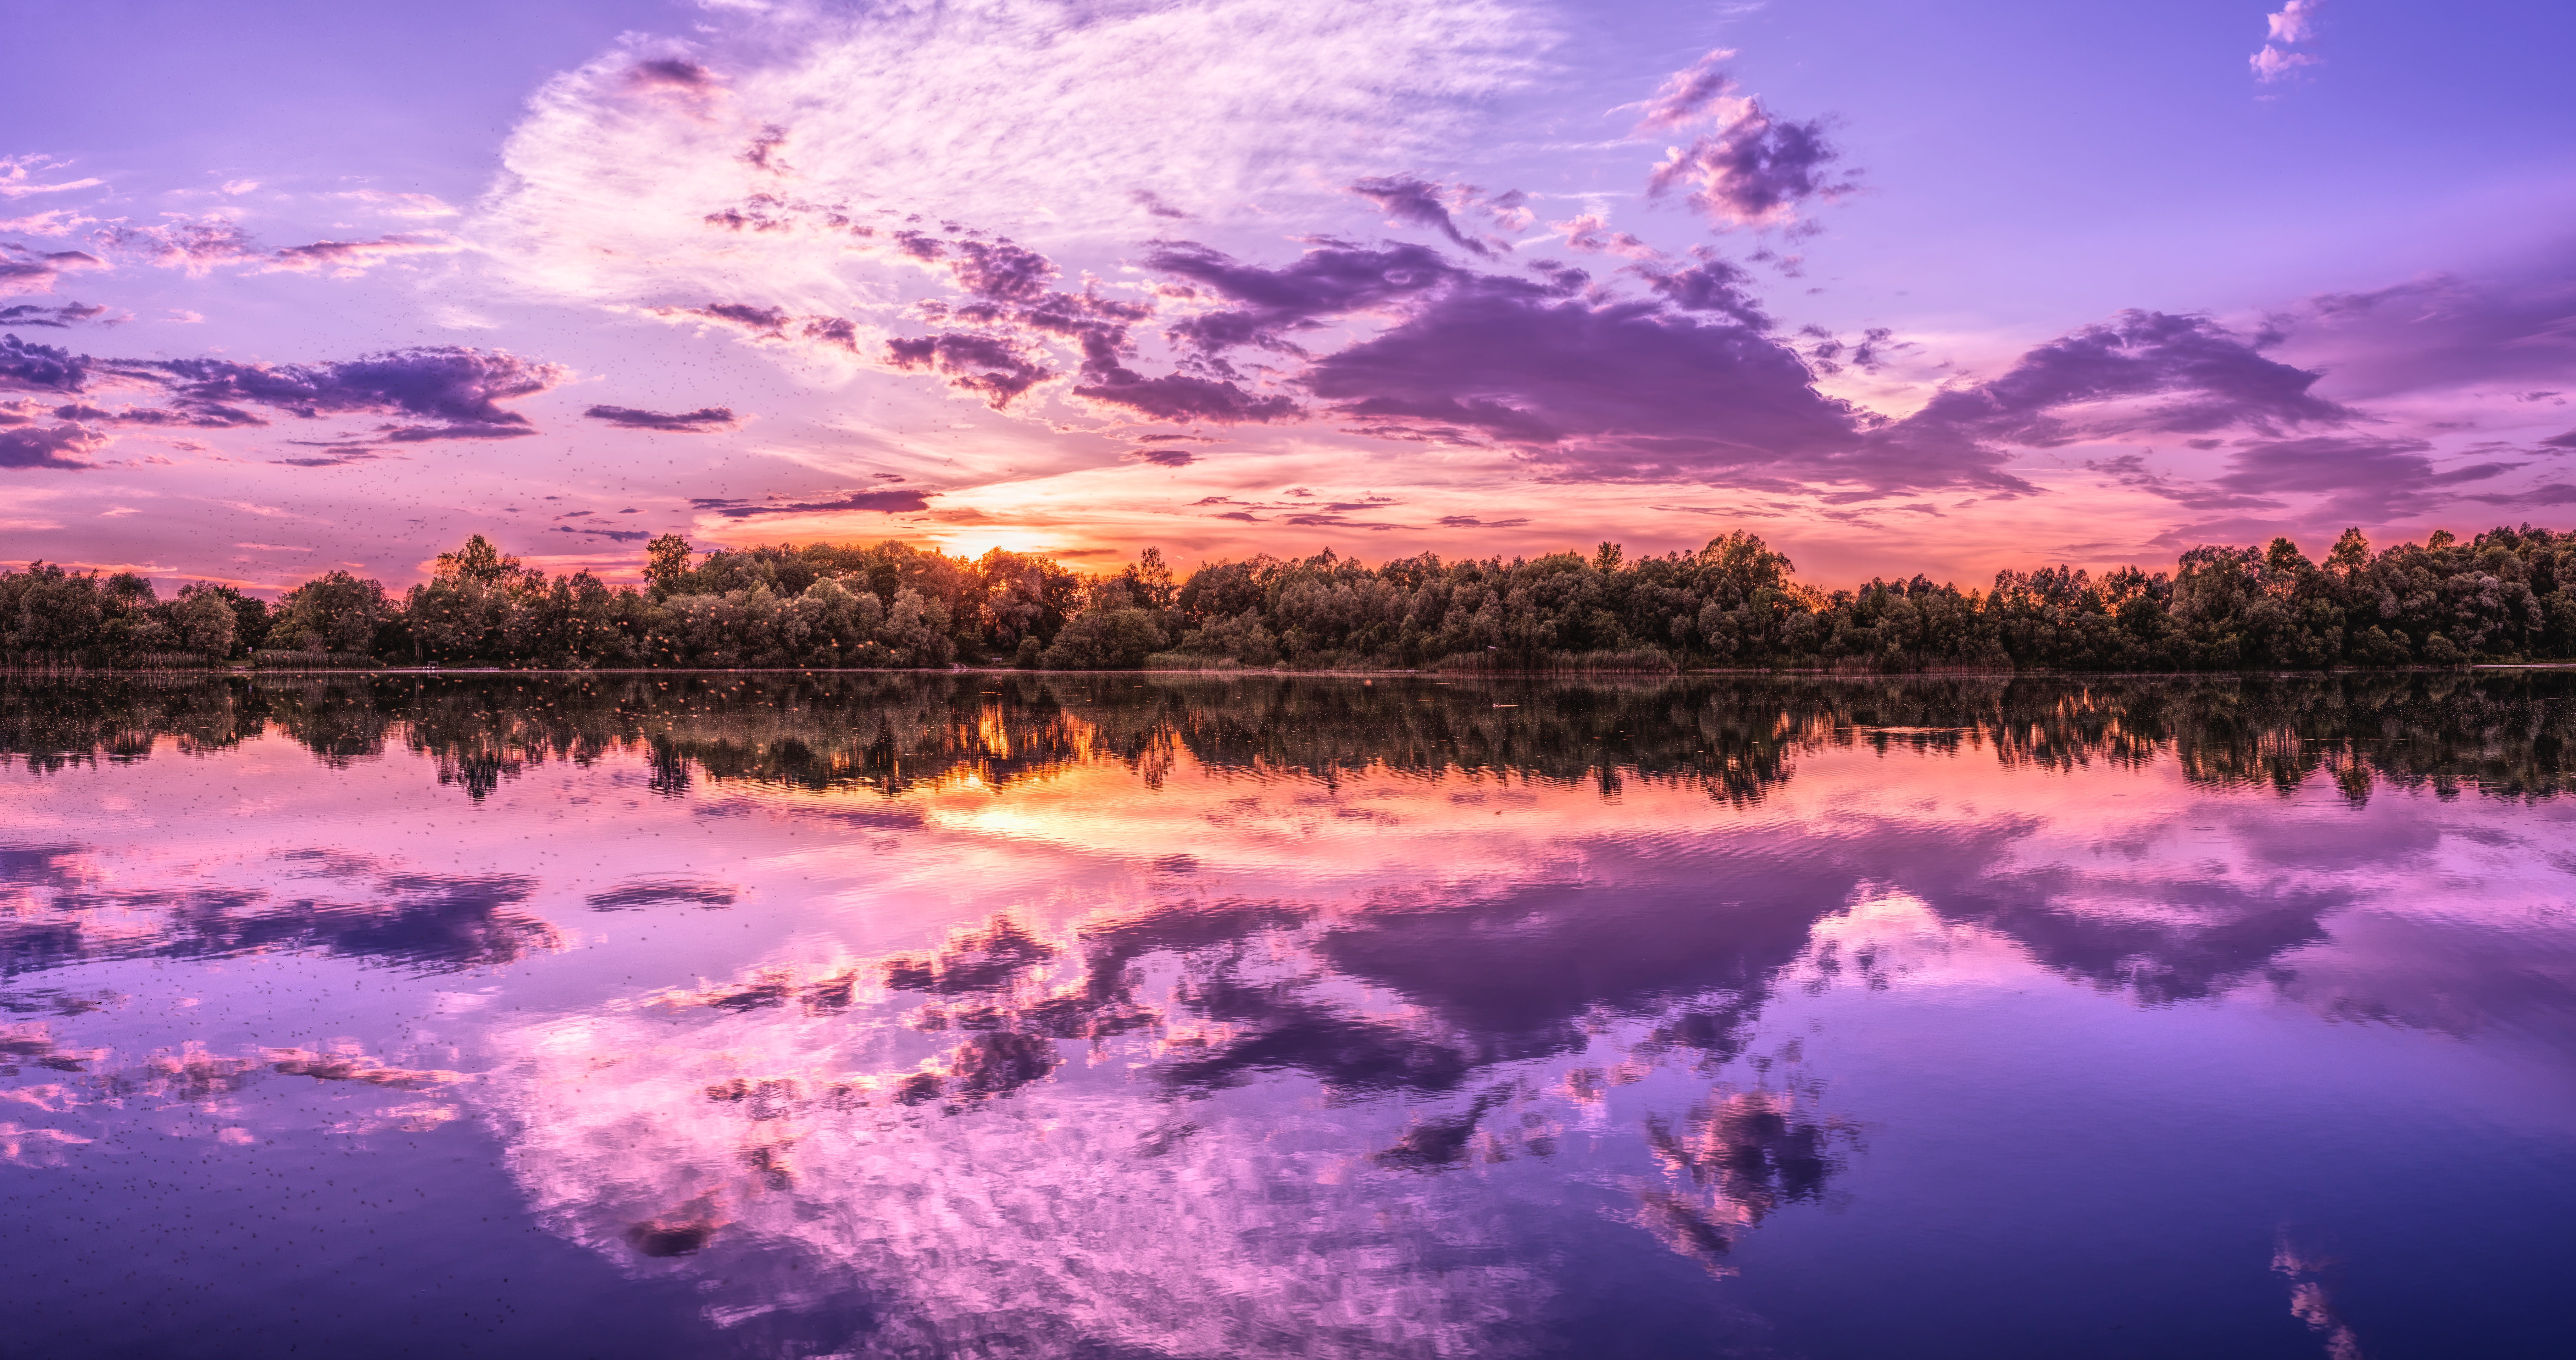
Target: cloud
column 62, row 446
column 458, row 388
column 18, row 177
column 613, row 535
column 51, row 222
column 928, row 109
column 2272, row 63
column 1710, row 285
column 44, row 368
column 24, row 271
column 1687, row 383
column 1160, row 457
column 1626, row 389
column 766, row 323
column 998, row 369
column 1751, row 169
column 889, row 502
column 198, row 246
column 1753, row 172
column 1471, row 522
column 30, row 314
column 2293, row 24
column 2144, row 372
column 700, row 421
column 194, row 246
column 2365, row 480
column 1178, row 396
column 1001, row 270
column 1704, row 91
column 2361, row 479
column 1271, row 305
column 347, row 259
column 1417, row 203
column 1591, row 234
column 2443, row 331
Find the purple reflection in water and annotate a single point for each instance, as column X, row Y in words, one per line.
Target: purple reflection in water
column 871, row 1015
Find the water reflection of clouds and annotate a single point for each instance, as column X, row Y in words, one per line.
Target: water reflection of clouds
column 63, row 911
column 1232, row 1037
column 1173, row 1129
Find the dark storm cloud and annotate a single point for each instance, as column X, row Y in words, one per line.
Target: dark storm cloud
column 700, row 421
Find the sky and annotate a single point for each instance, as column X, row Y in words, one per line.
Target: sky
column 1900, row 287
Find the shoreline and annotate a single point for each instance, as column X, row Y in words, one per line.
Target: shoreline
column 1231, row 673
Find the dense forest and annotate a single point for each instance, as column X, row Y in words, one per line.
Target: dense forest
column 2506, row 595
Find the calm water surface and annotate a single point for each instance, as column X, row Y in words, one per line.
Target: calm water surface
column 1032, row 1017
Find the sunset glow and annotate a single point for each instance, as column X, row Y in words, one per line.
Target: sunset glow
column 1465, row 277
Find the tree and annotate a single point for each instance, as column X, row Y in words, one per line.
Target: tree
column 202, row 621
column 666, row 564
column 334, row 612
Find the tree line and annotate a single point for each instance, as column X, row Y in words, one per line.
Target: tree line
column 2505, row 595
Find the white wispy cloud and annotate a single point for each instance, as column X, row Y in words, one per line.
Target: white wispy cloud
column 2293, row 24
column 1045, row 119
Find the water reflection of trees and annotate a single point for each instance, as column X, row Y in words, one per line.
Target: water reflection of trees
column 2510, row 734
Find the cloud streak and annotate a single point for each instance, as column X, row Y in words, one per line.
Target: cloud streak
column 199, row 246
column 454, row 391
column 887, row 502
column 704, row 420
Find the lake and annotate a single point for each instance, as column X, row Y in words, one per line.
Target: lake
column 1139, row 1016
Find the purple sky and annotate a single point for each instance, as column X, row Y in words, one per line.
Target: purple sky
column 1899, row 287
